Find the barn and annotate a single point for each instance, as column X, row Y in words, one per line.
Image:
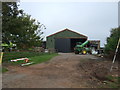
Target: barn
column 64, row 40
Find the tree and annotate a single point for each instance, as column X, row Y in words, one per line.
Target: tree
column 9, row 22
column 29, row 32
column 112, row 41
column 19, row 27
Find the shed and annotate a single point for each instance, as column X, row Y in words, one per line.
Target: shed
column 95, row 44
column 64, row 40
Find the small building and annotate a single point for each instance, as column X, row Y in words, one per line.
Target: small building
column 95, row 44
column 64, row 41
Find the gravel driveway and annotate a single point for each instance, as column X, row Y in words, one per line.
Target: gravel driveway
column 62, row 71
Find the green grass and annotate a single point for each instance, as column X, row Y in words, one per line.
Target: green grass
column 116, row 83
column 42, row 58
column 111, row 78
column 113, row 82
column 32, row 56
column 3, row 69
column 7, row 56
column 112, row 85
column 37, row 59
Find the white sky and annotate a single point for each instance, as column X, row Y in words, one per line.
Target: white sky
column 68, row 0
column 93, row 19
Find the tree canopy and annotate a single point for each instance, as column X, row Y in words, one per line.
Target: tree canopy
column 112, row 40
column 20, row 28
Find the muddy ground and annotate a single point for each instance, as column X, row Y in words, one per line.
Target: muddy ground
column 66, row 70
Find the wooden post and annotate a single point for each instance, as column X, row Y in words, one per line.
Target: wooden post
column 1, row 55
column 98, row 45
column 115, row 54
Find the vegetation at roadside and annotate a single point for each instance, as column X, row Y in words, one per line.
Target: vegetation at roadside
column 113, row 82
column 4, row 69
column 112, row 40
column 7, row 56
column 33, row 56
column 42, row 58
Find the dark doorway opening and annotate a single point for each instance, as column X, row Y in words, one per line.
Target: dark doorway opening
column 74, row 41
column 94, row 45
column 62, row 45
column 67, row 45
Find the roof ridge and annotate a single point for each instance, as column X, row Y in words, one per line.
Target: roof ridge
column 67, row 30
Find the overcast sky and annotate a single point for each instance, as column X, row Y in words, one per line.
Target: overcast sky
column 93, row 19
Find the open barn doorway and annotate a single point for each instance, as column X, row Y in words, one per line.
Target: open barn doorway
column 67, row 45
column 74, row 41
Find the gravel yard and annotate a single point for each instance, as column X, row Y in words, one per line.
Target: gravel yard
column 66, row 70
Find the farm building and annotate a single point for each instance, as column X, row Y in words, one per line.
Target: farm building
column 95, row 44
column 64, row 41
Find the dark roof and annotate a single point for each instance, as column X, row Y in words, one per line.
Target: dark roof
column 67, row 30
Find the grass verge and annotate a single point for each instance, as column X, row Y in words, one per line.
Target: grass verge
column 7, row 56
column 42, row 58
column 3, row 69
column 37, row 59
column 112, row 82
column 33, row 57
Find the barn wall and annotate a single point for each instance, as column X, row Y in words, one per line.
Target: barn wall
column 50, row 42
column 65, row 34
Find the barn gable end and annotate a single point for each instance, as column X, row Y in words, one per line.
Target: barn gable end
column 67, row 36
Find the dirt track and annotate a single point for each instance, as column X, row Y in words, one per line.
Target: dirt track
column 63, row 71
